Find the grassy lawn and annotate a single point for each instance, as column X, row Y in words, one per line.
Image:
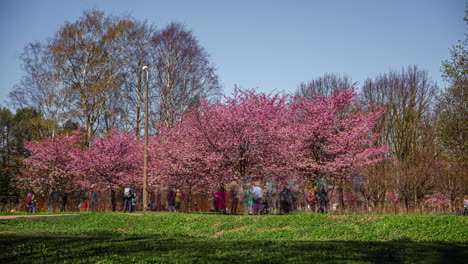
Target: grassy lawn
column 209, row 238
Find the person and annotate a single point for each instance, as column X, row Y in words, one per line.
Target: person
column 178, row 200
column 220, row 200
column 286, row 200
column 257, row 194
column 465, row 205
column 94, row 200
column 311, row 200
column 248, row 200
column 323, row 200
column 272, row 194
column 31, row 202
column 134, row 200
column 152, row 205
column 128, row 195
column 49, row 204
column 64, row 203
column 265, row 210
column 54, row 200
column 233, row 196
column 171, row 202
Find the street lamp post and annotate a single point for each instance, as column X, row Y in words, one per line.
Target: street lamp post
column 145, row 155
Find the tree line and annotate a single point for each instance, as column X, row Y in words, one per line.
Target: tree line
column 90, row 73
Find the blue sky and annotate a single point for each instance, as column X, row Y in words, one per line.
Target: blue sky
column 266, row 45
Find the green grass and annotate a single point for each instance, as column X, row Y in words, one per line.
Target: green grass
column 210, row 238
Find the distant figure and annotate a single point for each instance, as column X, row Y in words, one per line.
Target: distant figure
column 465, row 205
column 323, row 200
column 220, row 200
column 234, row 197
column 286, row 201
column 54, row 199
column 248, row 200
column 311, row 200
column 31, row 202
column 265, row 210
column 134, row 201
column 128, row 195
column 178, row 200
column 171, row 200
column 152, row 205
column 257, row 194
column 94, row 200
column 64, row 203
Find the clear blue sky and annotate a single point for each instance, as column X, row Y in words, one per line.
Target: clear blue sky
column 267, row 45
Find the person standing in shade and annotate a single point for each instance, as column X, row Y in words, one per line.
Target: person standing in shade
column 257, row 194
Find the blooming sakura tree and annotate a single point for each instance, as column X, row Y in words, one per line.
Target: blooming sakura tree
column 50, row 166
column 243, row 139
column 111, row 162
column 334, row 135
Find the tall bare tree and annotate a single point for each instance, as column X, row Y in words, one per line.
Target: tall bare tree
column 39, row 88
column 139, row 52
column 184, row 71
column 407, row 127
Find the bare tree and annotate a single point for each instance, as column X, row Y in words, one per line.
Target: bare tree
column 325, row 85
column 39, row 87
column 407, row 127
column 139, row 53
column 184, row 71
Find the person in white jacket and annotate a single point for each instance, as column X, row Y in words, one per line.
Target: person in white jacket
column 257, row 194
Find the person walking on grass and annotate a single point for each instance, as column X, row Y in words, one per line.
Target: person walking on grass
column 128, row 195
column 31, row 202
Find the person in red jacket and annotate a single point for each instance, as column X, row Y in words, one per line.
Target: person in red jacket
column 220, row 200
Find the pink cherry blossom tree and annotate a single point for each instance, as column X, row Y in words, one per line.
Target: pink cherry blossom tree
column 335, row 135
column 252, row 136
column 110, row 163
column 242, row 139
column 50, row 166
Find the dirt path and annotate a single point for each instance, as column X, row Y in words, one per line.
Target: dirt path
column 33, row 216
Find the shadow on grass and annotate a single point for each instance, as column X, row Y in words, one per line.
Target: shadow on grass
column 46, row 248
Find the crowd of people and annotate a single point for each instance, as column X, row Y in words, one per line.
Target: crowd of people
column 255, row 199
